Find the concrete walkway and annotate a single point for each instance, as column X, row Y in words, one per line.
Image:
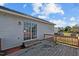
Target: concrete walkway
column 47, row 48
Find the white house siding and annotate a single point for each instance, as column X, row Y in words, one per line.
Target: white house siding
column 56, row 30
column 10, row 32
column 43, row 28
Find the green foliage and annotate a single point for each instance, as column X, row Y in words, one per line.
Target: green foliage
column 75, row 29
column 67, row 29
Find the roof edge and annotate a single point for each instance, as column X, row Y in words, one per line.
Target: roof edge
column 10, row 10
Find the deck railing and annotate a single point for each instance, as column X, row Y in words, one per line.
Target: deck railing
column 46, row 36
column 69, row 40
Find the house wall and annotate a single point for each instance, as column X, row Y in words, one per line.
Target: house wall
column 44, row 29
column 56, row 30
column 12, row 33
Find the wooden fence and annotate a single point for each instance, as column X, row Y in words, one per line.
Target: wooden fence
column 70, row 40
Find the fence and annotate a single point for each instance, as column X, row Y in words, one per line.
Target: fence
column 70, row 40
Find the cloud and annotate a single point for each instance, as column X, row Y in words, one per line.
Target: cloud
column 53, row 8
column 2, row 4
column 46, row 9
column 72, row 19
column 25, row 5
column 42, row 17
column 36, row 7
column 63, row 23
column 59, row 23
column 72, row 24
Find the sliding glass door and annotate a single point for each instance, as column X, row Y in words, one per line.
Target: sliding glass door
column 34, row 30
column 30, row 30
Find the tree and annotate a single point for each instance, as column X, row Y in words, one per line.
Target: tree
column 67, row 29
column 61, row 29
column 75, row 28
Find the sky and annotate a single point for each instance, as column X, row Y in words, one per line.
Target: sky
column 62, row 14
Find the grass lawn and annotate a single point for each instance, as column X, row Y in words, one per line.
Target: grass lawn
column 67, row 34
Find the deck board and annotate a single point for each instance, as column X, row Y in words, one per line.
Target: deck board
column 51, row 50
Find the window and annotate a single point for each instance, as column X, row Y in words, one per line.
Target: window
column 30, row 30
column 27, row 30
column 34, row 30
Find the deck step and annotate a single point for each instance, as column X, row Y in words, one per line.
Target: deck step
column 31, row 43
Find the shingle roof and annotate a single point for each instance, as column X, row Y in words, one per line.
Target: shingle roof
column 4, row 8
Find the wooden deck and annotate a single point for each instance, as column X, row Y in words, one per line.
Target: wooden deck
column 48, row 48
